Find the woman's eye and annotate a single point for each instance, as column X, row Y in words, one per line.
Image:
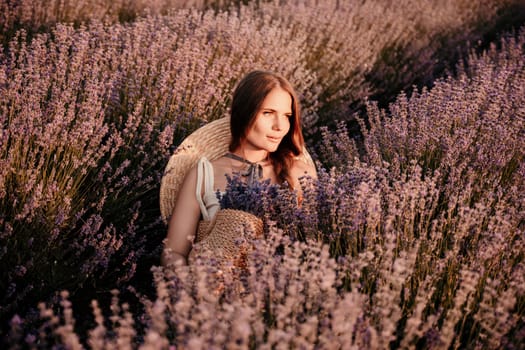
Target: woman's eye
column 267, row 113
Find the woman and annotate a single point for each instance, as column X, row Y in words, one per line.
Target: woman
column 266, row 143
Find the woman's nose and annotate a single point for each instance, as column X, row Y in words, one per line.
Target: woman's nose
column 276, row 123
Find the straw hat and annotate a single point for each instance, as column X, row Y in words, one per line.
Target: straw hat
column 210, row 141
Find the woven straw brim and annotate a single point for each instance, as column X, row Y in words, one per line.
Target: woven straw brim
column 210, row 141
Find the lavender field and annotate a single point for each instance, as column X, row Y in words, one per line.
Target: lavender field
column 411, row 237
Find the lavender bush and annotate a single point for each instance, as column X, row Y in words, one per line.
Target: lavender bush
column 378, row 48
column 411, row 237
column 35, row 16
column 416, row 243
column 352, row 49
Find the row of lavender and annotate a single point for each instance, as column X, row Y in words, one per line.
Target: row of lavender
column 419, row 244
column 352, row 50
column 90, row 115
column 40, row 15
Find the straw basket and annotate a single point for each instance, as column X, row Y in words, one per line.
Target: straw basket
column 227, row 236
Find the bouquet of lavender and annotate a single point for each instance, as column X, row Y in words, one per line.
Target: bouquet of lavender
column 275, row 204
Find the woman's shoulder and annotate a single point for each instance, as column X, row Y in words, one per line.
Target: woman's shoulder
column 301, row 167
column 215, row 163
column 221, row 165
column 191, row 174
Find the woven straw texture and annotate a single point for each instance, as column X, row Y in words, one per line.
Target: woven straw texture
column 223, row 236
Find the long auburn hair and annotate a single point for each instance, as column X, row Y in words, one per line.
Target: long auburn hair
column 247, row 101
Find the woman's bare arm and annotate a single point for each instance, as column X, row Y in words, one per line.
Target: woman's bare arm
column 183, row 223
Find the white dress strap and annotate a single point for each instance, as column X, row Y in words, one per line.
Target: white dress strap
column 208, row 201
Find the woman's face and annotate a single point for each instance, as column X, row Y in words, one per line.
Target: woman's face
column 272, row 122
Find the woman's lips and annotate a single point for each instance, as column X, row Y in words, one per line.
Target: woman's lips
column 274, row 139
